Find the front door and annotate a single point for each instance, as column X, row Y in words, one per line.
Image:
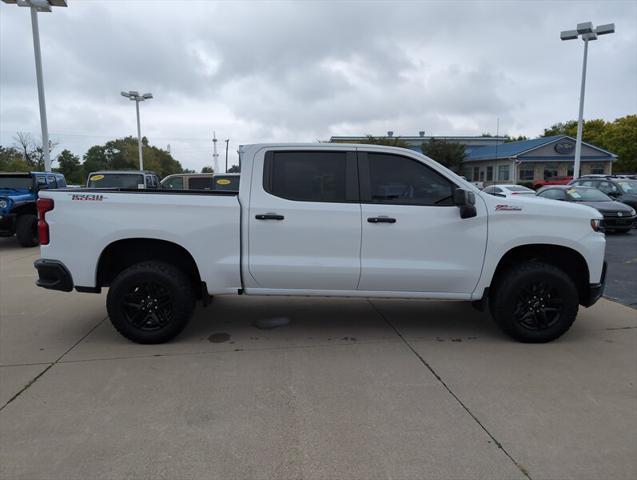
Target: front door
column 413, row 237
column 305, row 221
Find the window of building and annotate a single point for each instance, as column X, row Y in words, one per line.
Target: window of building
column 503, row 172
column 569, row 170
column 489, row 174
column 550, row 171
column 399, row 180
column 526, row 173
column 481, row 175
column 476, row 174
column 597, row 169
column 307, row 176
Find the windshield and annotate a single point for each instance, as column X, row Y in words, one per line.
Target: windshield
column 115, row 180
column 628, row 186
column 586, row 195
column 16, row 182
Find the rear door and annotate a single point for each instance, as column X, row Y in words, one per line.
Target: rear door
column 413, row 237
column 304, row 221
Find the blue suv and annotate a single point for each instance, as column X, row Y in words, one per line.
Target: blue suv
column 18, row 194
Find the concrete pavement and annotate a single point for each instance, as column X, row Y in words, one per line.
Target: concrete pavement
column 349, row 389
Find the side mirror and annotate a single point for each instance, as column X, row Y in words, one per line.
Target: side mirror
column 465, row 201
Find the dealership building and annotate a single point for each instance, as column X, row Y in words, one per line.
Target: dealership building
column 491, row 160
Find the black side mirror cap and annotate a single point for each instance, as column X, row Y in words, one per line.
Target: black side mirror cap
column 465, row 201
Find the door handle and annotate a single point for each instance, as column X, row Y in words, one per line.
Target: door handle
column 269, row 216
column 381, row 220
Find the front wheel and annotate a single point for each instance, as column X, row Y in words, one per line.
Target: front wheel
column 534, row 302
column 150, row 302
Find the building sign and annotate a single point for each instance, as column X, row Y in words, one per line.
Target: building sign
column 564, row 147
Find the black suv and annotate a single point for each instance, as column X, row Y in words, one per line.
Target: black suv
column 622, row 189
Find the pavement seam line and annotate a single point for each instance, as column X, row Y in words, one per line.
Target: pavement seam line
column 51, row 365
column 450, row 391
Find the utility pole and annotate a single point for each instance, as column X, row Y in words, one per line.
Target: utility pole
column 136, row 97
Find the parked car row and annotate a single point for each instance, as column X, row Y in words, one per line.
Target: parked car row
column 614, row 196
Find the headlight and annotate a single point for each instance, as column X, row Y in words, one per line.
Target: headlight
column 597, row 225
column 3, row 204
column 632, row 212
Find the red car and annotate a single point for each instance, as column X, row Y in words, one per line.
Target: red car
column 552, row 181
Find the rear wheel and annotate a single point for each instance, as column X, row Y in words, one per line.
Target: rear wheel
column 150, row 302
column 26, row 230
column 535, row 302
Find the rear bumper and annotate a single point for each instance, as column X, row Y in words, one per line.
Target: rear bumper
column 53, row 275
column 596, row 290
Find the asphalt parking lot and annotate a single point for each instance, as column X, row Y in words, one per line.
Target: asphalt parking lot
column 348, row 389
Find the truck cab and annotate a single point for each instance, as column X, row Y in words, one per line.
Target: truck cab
column 18, row 195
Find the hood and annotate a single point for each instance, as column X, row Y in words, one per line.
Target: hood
column 527, row 204
column 610, row 207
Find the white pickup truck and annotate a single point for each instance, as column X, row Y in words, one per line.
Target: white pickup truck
column 324, row 220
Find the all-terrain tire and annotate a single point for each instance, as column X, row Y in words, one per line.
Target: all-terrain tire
column 534, row 302
column 150, row 302
column 26, row 230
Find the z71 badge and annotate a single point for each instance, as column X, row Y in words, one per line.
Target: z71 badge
column 507, row 208
column 87, row 196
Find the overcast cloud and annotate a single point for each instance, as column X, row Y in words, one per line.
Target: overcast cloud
column 303, row 71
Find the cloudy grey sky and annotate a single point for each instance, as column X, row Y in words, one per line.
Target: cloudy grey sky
column 259, row 71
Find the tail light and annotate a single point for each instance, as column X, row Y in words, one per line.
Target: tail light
column 43, row 205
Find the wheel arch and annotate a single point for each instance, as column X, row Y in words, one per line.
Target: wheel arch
column 567, row 259
column 120, row 254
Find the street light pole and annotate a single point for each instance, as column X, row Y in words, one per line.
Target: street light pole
column 40, row 6
column 580, row 118
column 227, row 140
column 40, row 81
column 588, row 33
column 139, row 137
column 136, row 97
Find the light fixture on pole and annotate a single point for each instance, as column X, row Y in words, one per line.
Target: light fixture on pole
column 136, row 97
column 588, row 33
column 40, row 6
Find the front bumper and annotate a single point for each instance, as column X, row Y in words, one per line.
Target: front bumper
column 7, row 224
column 53, row 275
column 596, row 290
column 611, row 223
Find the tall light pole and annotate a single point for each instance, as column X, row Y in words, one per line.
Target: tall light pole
column 136, row 97
column 40, row 6
column 588, row 33
column 227, row 140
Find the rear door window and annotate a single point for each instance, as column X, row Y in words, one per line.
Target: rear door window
column 311, row 176
column 175, row 183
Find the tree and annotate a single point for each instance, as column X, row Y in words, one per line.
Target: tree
column 234, row 169
column 207, row 169
column 123, row 154
column 388, row 141
column 69, row 166
column 11, row 160
column 31, row 151
column 449, row 154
